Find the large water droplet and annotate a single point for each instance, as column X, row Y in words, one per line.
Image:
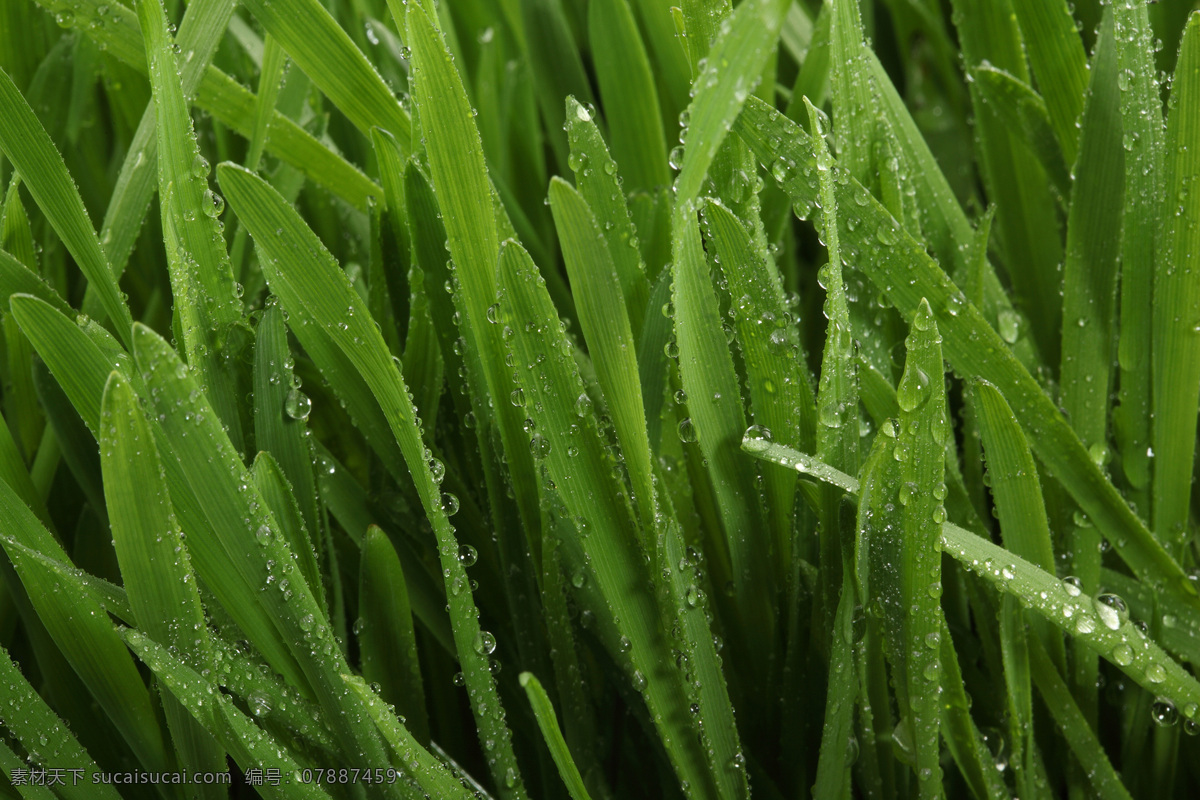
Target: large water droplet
column 297, row 405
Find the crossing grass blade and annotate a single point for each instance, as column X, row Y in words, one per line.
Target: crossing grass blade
column 1024, row 110
column 26, row 143
column 316, row 291
column 43, row 733
column 1176, row 361
column 1059, row 63
column 249, row 745
column 82, row 631
column 277, row 493
column 155, row 567
column 902, row 269
column 543, row 709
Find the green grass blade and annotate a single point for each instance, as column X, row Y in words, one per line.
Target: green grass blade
column 570, row 447
column 276, row 491
column 199, row 265
column 611, row 344
column 314, row 289
column 39, row 730
column 739, row 54
column 852, row 101
column 280, row 412
column 543, row 710
column 115, row 29
column 781, row 392
column 1059, row 64
column 28, row 146
column 200, row 32
column 1024, row 110
column 1101, row 625
column 155, row 567
column 431, row 774
column 386, row 640
column 921, row 441
column 1176, row 362
column 717, row 421
column 84, row 634
column 833, row 766
column 16, row 278
column 271, row 76
column 464, row 194
column 597, row 180
column 902, row 269
column 1104, row 780
column 319, row 46
column 626, row 82
column 250, row 746
column 1142, row 118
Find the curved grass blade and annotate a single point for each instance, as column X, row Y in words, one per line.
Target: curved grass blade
column 16, row 278
column 1103, row 624
column 386, row 640
column 315, row 290
column 833, row 765
column 319, row 46
column 902, row 269
column 431, row 774
column 571, row 449
column 600, row 301
column 543, row 710
column 115, row 28
column 43, row 734
column 1141, row 116
column 155, row 567
column 28, row 146
column 1059, row 64
column 626, row 82
column 266, row 591
column 250, row 746
column 1024, row 110
column 201, row 276
column 84, row 634
column 1176, row 362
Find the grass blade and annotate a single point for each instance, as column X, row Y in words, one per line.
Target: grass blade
column 595, row 282
column 905, row 273
column 199, row 265
column 1176, row 362
column 28, row 146
column 1059, row 64
column 548, row 723
column 155, row 568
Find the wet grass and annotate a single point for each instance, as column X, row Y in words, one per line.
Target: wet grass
column 600, row 399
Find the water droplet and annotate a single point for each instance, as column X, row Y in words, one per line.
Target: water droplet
column 517, row 398
column 485, row 643
column 1122, row 655
column 675, row 158
column 467, row 555
column 493, row 313
column 914, row 389
column 583, row 405
column 1112, row 610
column 1073, row 585
column 539, row 446
column 1155, row 673
column 65, row 18
column 263, row 534
column 437, row 470
column 687, row 431
column 297, row 405
column 933, row 640
column 449, row 504
column 1163, row 712
column 1009, row 326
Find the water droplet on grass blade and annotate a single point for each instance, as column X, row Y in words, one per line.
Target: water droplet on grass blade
column 297, row 405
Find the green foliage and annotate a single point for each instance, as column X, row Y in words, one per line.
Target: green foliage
column 458, row 372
